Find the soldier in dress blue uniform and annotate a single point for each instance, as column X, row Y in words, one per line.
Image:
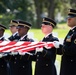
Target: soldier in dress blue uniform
column 14, row 30
column 45, row 63
column 2, row 30
column 68, row 49
column 14, row 37
column 21, row 64
column 3, row 62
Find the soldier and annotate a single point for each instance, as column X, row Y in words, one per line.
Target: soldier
column 21, row 64
column 14, row 37
column 68, row 62
column 3, row 61
column 45, row 63
column 14, row 31
column 2, row 30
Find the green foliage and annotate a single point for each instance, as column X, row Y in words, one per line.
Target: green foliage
column 6, row 18
column 16, row 9
column 32, row 10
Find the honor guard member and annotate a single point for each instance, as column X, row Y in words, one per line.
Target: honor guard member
column 22, row 64
column 45, row 63
column 14, row 30
column 68, row 61
column 3, row 62
column 2, row 30
column 14, row 37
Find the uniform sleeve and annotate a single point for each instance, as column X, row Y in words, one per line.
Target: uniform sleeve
column 49, row 53
column 70, row 49
column 32, row 57
column 60, row 50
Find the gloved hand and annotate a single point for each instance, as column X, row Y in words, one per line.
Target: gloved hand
column 13, row 53
column 1, row 55
column 39, row 50
column 4, row 55
column 22, row 53
column 56, row 44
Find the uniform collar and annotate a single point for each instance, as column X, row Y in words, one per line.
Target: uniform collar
column 73, row 28
column 15, row 33
column 23, row 37
column 48, row 35
column 1, row 37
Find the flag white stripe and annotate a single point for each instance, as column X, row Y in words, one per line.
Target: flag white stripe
column 14, row 48
column 4, row 43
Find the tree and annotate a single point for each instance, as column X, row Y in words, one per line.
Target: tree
column 38, row 10
column 16, row 9
column 44, row 6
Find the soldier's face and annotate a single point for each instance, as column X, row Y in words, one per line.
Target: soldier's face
column 22, row 31
column 1, row 32
column 46, row 29
column 13, row 29
column 71, row 22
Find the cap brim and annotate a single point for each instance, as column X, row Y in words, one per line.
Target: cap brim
column 20, row 26
column 71, row 16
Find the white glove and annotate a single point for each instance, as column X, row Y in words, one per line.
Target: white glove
column 13, row 53
column 1, row 55
column 39, row 50
column 21, row 53
column 56, row 44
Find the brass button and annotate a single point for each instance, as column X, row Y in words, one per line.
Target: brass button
column 2, row 65
column 14, row 62
column 71, row 60
column 23, row 66
column 46, row 64
column 37, row 55
column 37, row 59
column 15, row 58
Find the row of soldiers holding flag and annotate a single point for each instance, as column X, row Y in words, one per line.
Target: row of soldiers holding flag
column 16, row 63
column 21, row 63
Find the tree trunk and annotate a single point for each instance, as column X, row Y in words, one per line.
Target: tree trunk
column 51, row 8
column 38, row 9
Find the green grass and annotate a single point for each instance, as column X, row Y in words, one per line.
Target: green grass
column 8, row 31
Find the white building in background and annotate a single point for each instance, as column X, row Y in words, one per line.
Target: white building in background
column 59, row 17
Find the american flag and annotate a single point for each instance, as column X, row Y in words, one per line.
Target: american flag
column 22, row 46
